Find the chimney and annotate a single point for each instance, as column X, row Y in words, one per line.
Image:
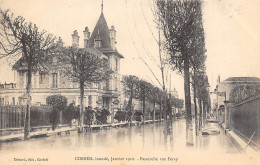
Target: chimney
column 86, row 37
column 113, row 37
column 75, row 39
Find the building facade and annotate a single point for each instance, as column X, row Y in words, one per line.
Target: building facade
column 224, row 88
column 101, row 41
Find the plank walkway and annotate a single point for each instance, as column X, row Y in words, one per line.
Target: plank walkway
column 20, row 136
column 116, row 125
column 66, row 130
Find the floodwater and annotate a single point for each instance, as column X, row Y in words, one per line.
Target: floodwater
column 127, row 145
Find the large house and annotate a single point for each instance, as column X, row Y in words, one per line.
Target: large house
column 106, row 94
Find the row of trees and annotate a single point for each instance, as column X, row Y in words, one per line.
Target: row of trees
column 35, row 47
column 184, row 43
column 144, row 91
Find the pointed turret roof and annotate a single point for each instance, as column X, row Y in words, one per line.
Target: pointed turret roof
column 101, row 32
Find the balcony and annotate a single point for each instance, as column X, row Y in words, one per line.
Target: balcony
column 7, row 86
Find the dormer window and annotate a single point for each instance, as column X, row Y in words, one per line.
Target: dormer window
column 97, row 44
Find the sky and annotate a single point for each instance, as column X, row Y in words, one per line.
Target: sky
column 232, row 33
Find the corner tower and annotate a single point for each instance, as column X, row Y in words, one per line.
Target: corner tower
column 103, row 39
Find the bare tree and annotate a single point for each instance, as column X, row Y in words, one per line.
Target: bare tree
column 21, row 38
column 144, row 92
column 202, row 94
column 85, row 66
column 198, row 84
column 179, row 21
column 131, row 86
column 153, row 96
column 198, row 67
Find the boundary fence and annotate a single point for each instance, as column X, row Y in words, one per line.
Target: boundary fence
column 12, row 116
column 245, row 121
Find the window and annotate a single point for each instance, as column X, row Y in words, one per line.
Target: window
column 115, row 84
column 107, row 85
column 90, row 101
column 116, row 64
column 97, row 44
column 20, row 73
column 54, row 80
column 13, row 100
column 41, row 77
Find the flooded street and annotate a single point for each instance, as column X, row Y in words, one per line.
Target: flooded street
column 137, row 143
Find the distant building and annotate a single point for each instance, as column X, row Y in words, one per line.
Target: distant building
column 101, row 41
column 223, row 89
column 174, row 93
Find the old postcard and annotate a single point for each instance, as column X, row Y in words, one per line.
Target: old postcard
column 130, row 82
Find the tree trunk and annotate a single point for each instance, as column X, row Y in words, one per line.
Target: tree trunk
column 189, row 128
column 200, row 117
column 28, row 105
column 161, row 110
column 196, row 110
column 130, row 106
column 165, row 116
column 144, row 110
column 153, row 111
column 170, row 110
column 195, row 103
column 204, row 113
column 81, row 112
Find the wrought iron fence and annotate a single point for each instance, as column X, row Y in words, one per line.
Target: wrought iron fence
column 12, row 116
column 244, row 121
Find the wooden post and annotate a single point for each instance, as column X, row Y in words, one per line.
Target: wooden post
column 249, row 140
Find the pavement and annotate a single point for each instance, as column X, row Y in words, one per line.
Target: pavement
column 46, row 131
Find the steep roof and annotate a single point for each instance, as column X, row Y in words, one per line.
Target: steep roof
column 101, row 32
column 20, row 64
column 243, row 79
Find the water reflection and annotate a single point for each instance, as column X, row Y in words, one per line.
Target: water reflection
column 144, row 137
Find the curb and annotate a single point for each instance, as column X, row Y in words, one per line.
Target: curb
column 240, row 144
